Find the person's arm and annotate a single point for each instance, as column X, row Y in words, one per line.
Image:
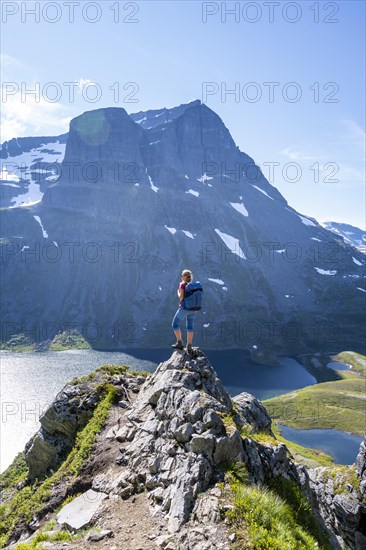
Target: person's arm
column 180, row 292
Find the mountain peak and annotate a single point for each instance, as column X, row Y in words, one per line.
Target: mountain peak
column 156, row 117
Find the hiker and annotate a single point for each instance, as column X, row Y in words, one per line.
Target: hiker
column 183, row 313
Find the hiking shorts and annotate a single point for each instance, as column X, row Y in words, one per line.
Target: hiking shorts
column 180, row 316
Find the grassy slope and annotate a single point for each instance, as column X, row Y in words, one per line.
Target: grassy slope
column 21, row 502
column 68, row 339
column 273, row 517
column 339, row 404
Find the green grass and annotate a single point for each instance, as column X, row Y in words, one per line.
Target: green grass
column 271, row 518
column 356, row 360
column 18, row 342
column 228, row 422
column 339, row 404
column 31, row 498
column 264, row 439
column 342, row 476
column 15, row 473
column 143, row 373
column 302, row 512
column 69, row 339
column 36, row 543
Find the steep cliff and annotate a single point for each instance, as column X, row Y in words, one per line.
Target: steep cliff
column 137, row 198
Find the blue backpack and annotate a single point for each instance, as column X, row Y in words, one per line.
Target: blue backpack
column 193, row 296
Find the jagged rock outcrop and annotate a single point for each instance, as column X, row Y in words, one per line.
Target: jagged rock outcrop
column 170, row 440
column 339, row 498
column 251, row 414
column 361, row 466
column 69, row 412
column 177, row 436
column 183, row 426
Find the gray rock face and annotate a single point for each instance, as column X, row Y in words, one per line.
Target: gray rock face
column 251, row 413
column 361, row 466
column 68, row 413
column 141, row 193
column 179, row 442
column 79, row 512
column 339, row 502
column 173, row 446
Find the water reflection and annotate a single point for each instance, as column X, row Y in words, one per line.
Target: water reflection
column 343, row 447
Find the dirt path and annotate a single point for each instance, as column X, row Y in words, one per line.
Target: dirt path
column 131, row 522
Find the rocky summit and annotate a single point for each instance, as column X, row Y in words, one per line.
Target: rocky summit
column 108, row 215
column 164, row 465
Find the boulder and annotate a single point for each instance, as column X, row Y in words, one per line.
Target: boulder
column 251, row 413
column 79, row 512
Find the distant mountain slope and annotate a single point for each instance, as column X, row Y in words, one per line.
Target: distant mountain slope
column 352, row 235
column 28, row 166
column 134, row 202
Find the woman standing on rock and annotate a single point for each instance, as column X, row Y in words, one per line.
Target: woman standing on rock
column 183, row 313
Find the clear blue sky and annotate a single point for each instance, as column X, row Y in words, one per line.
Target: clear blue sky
column 169, row 52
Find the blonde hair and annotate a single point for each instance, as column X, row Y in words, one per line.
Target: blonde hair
column 187, row 272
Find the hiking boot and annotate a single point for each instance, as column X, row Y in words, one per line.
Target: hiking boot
column 189, row 348
column 178, row 345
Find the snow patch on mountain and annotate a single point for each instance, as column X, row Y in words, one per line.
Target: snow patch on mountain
column 153, row 187
column 306, row 221
column 325, row 271
column 28, row 167
column 157, row 117
column 218, row 281
column 232, row 243
column 195, row 193
column 6, row 176
column 356, row 261
column 205, row 178
column 350, row 234
column 239, row 207
column 32, row 196
column 44, row 232
column 264, row 193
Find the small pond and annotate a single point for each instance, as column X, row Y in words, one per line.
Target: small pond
column 343, row 447
column 335, row 365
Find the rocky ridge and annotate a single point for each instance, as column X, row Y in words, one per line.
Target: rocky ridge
column 163, row 455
